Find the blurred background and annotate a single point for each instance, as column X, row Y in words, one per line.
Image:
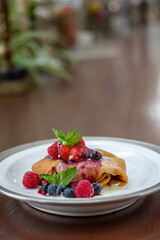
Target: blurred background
column 77, row 64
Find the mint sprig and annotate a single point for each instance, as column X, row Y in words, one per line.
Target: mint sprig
column 69, row 139
column 62, row 178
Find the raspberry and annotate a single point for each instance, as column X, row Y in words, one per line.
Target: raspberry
column 53, row 150
column 81, row 142
column 31, row 180
column 65, row 152
column 78, row 152
column 73, row 184
column 84, row 189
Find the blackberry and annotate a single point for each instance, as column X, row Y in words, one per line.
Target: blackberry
column 69, row 192
column 87, row 155
column 54, row 190
column 41, row 179
column 63, row 188
column 97, row 188
column 91, row 150
column 71, row 160
column 95, row 155
column 44, row 187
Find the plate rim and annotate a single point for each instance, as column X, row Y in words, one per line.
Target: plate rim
column 92, row 201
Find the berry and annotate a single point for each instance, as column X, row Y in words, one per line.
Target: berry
column 84, row 189
column 97, row 188
column 91, row 150
column 31, row 180
column 54, row 190
column 87, row 155
column 95, row 155
column 81, row 142
column 71, row 160
column 69, row 192
column 43, row 181
column 40, row 183
column 65, row 152
column 53, row 170
column 63, row 188
column 73, row 184
column 78, row 152
column 44, row 187
column 53, row 150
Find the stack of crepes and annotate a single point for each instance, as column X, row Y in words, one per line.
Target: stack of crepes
column 110, row 170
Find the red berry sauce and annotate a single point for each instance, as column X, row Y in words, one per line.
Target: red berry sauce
column 86, row 169
column 40, row 192
column 48, row 157
column 53, row 170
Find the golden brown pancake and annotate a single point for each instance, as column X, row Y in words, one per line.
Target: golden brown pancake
column 46, row 166
column 112, row 171
column 108, row 171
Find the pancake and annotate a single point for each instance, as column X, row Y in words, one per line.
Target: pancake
column 46, row 166
column 112, row 171
column 108, row 171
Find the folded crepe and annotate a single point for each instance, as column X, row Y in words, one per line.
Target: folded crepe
column 108, row 171
column 46, row 166
column 112, row 171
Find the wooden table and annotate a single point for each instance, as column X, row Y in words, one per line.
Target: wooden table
column 115, row 97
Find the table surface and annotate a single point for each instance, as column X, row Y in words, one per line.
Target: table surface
column 117, row 96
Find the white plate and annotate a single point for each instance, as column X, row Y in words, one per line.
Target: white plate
column 143, row 170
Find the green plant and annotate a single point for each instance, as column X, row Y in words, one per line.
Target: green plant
column 28, row 53
column 28, row 50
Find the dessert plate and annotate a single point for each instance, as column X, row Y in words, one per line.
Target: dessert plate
column 143, row 170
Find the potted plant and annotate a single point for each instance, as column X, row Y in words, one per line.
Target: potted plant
column 22, row 57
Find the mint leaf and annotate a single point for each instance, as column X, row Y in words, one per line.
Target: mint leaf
column 62, row 178
column 67, row 175
column 68, row 140
column 60, row 135
column 55, row 178
column 75, row 140
column 71, row 135
column 50, row 178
